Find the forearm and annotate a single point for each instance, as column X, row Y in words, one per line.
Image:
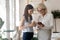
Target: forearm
column 21, row 27
column 32, row 24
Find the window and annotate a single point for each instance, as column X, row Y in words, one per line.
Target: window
column 13, row 18
column 3, row 16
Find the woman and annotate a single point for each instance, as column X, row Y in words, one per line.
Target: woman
column 27, row 23
column 45, row 23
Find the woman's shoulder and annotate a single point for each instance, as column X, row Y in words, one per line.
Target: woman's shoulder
column 49, row 14
column 23, row 18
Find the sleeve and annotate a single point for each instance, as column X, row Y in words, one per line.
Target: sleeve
column 48, row 24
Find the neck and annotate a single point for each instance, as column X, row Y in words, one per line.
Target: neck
column 28, row 14
column 43, row 14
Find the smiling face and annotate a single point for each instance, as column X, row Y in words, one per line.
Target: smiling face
column 42, row 9
column 30, row 11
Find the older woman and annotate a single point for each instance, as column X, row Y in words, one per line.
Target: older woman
column 45, row 23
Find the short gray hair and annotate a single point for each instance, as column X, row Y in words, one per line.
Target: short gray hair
column 41, row 5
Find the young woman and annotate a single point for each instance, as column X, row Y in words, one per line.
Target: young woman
column 27, row 23
column 45, row 23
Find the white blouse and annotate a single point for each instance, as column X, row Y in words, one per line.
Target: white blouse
column 47, row 20
column 45, row 32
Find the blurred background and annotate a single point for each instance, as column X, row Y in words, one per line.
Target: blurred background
column 11, row 12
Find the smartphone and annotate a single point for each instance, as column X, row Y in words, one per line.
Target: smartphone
column 39, row 23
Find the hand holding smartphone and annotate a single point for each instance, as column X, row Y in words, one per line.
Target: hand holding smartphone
column 40, row 24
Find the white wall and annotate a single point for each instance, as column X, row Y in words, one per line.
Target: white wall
column 22, row 6
column 53, row 4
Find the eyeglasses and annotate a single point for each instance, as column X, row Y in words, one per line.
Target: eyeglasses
column 42, row 10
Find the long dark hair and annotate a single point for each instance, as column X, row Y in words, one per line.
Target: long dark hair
column 29, row 6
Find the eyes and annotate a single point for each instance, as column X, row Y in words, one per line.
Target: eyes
column 30, row 11
column 41, row 9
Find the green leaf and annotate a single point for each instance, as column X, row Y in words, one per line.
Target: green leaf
column 1, row 22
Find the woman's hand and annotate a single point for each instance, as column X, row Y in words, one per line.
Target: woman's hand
column 21, row 28
column 32, row 24
column 40, row 25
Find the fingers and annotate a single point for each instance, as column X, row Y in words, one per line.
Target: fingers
column 21, row 28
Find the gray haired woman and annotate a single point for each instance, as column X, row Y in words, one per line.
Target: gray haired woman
column 45, row 23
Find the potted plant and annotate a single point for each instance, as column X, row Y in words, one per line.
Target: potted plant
column 56, row 14
column 1, row 24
